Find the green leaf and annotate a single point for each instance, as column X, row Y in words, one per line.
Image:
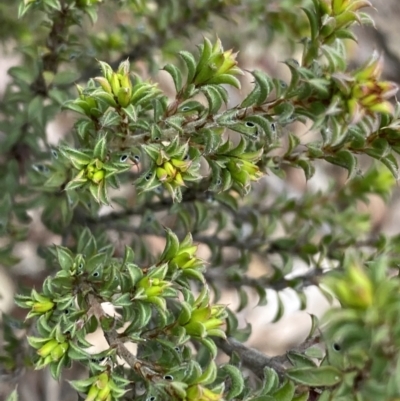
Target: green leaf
column 123, row 300
column 175, row 122
column 251, row 98
column 210, row 346
column 380, row 149
column 194, row 274
column 66, row 77
column 129, row 255
column 308, row 168
column 262, row 88
column 284, row 112
column 13, row 396
column 134, row 272
column 315, row 352
column 302, row 397
column 295, row 76
column 64, row 258
column 285, row 392
column 246, row 128
column 110, row 118
column 366, row 19
column 324, row 376
column 299, row 360
column 92, row 14
column 321, row 86
column 222, row 92
column 54, row 4
column 236, row 381
column 228, row 200
column 82, row 385
column 209, row 374
column 131, row 112
column 225, row 79
column 37, row 342
column 232, row 323
column 175, row 74
column 391, row 163
column 326, row 396
column 78, row 158
column 190, row 62
column 265, row 85
column 281, row 309
column 243, row 299
column 314, row 325
column 171, row 247
column 213, row 97
column 158, row 271
column 262, row 295
column 185, row 313
column 23, row 74
column 265, row 125
column 211, row 138
column 344, row 158
column 271, row 381
column 70, row 105
column 206, row 49
column 56, row 367
column 76, row 353
column 35, row 109
column 142, row 316
column 23, row 9
column 239, row 149
column 335, row 59
column 101, row 95
column 190, row 106
column 313, row 21
column 152, row 150
column 100, row 149
column 202, row 215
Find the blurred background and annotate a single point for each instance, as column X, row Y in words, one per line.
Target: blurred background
column 258, row 49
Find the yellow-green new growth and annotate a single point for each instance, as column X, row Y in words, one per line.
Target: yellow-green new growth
column 355, row 289
column 216, row 66
column 363, row 92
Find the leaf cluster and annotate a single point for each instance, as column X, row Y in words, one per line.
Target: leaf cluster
column 191, row 158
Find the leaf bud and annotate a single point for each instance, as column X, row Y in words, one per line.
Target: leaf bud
column 98, row 176
column 104, row 84
column 92, row 394
column 43, row 307
column 47, row 348
column 115, row 84
column 170, row 169
column 58, row 352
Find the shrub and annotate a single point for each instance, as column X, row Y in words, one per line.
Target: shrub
column 195, row 155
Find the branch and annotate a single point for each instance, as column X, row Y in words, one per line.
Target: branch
column 57, row 38
column 306, row 279
column 134, row 211
column 257, row 361
column 251, row 358
column 190, row 195
column 116, row 340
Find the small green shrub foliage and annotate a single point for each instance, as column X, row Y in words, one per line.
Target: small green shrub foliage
column 195, row 156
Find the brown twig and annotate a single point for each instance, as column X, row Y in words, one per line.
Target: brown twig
column 257, row 361
column 251, row 358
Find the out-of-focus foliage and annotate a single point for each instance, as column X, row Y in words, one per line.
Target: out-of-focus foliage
column 195, row 156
